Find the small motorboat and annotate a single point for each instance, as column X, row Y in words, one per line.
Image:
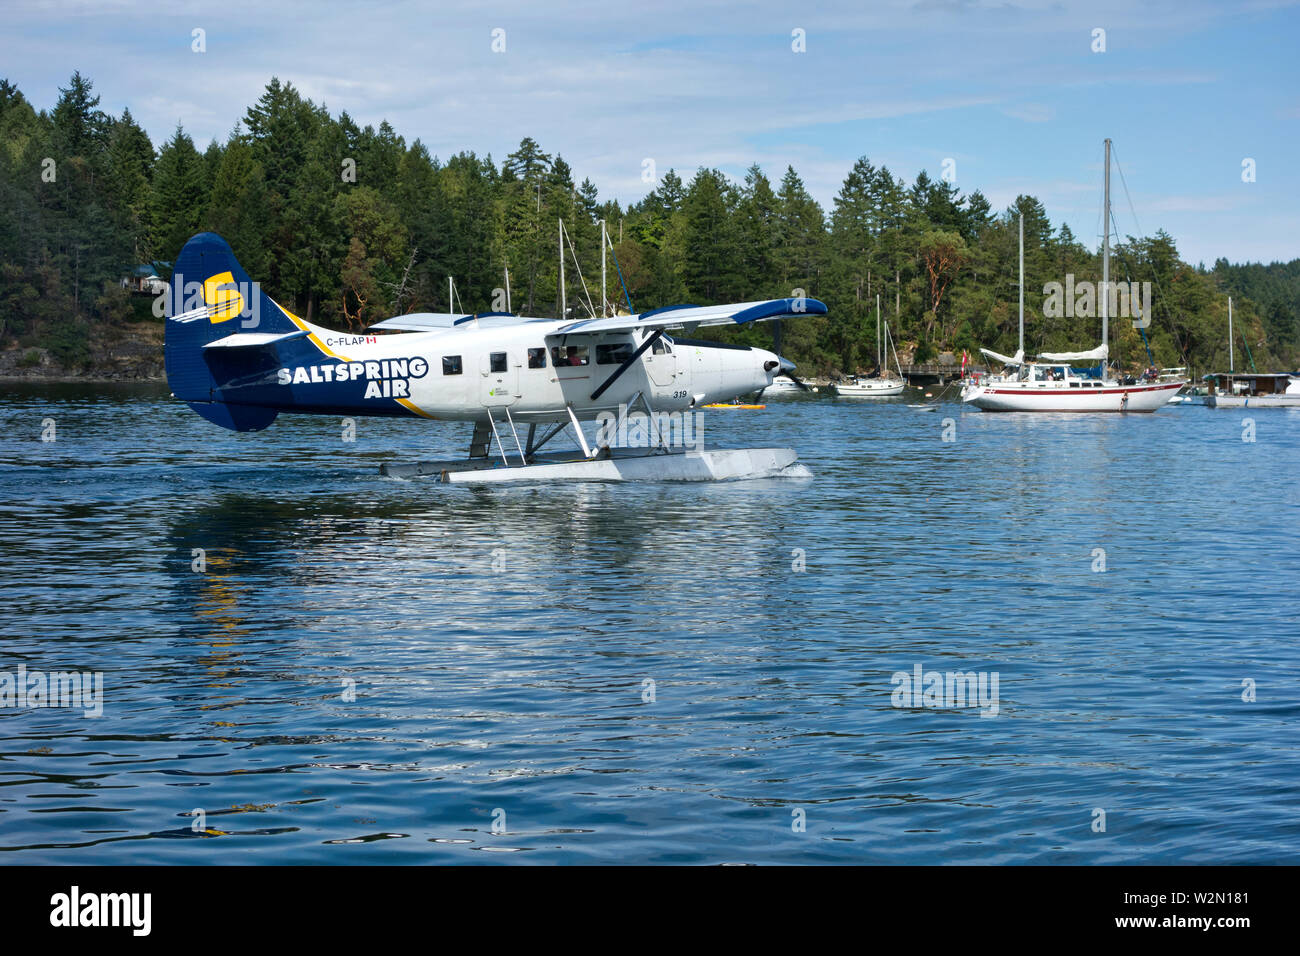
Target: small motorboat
column 786, row 388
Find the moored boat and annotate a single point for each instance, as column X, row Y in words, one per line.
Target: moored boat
column 1058, row 387
column 1253, row 390
column 1233, row 389
column 879, row 385
column 785, row 388
column 1053, row 384
column 869, row 387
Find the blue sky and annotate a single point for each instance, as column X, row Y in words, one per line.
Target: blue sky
column 1011, row 92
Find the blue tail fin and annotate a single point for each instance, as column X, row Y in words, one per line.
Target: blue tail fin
column 212, row 298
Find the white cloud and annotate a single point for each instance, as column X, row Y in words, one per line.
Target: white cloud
column 1030, row 112
column 688, row 83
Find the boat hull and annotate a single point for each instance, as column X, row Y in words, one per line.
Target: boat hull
column 1115, row 398
column 1285, row 400
column 784, row 388
column 869, row 391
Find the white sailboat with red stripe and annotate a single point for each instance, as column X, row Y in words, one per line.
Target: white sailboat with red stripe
column 1053, row 383
column 1056, row 387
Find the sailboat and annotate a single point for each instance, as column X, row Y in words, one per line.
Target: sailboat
column 881, row 386
column 1052, row 384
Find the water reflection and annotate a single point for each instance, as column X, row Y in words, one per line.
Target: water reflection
column 498, row 644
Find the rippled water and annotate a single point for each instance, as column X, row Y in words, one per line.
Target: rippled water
column 500, row 643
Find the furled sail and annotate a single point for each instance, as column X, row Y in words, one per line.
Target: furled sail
column 1019, row 358
column 1098, row 354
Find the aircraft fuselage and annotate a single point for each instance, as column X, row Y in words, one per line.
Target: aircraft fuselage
column 530, row 369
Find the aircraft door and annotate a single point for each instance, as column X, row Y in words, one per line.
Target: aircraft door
column 499, row 379
column 661, row 363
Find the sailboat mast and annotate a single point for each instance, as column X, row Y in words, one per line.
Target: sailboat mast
column 1232, row 362
column 1105, row 260
column 564, row 310
column 889, row 344
column 603, row 241
column 1022, row 282
column 877, row 330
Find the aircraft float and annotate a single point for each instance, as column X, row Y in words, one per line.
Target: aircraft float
column 239, row 359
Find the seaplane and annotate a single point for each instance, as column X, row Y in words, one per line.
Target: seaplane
column 239, row 359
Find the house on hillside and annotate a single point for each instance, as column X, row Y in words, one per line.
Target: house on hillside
column 147, row 279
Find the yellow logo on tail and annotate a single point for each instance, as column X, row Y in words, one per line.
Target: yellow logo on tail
column 222, row 294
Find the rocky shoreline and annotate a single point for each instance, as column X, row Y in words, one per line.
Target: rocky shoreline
column 131, row 353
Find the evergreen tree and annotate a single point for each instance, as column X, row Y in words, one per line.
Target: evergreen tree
column 346, row 224
column 179, row 196
column 236, row 204
column 757, row 235
column 80, row 128
column 130, row 165
column 709, row 243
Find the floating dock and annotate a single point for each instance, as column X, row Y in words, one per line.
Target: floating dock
column 615, row 464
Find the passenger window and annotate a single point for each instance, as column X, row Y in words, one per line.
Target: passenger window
column 613, row 354
column 451, row 365
column 497, row 361
column 537, row 358
column 569, row 355
column 658, row 348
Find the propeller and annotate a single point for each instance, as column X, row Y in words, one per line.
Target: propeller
column 786, row 366
column 787, row 369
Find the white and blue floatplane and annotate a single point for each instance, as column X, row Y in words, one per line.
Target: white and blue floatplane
column 239, row 359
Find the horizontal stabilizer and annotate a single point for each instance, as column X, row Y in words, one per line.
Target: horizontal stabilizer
column 251, row 340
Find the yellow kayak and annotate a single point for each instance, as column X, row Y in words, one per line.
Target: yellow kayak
column 731, row 405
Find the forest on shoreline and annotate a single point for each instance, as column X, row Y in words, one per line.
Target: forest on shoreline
column 347, row 225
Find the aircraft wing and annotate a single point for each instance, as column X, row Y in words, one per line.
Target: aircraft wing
column 428, row 321
column 676, row 316
column 673, row 316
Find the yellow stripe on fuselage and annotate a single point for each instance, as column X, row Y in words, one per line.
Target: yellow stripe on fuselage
column 411, row 406
column 315, row 340
column 312, row 336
